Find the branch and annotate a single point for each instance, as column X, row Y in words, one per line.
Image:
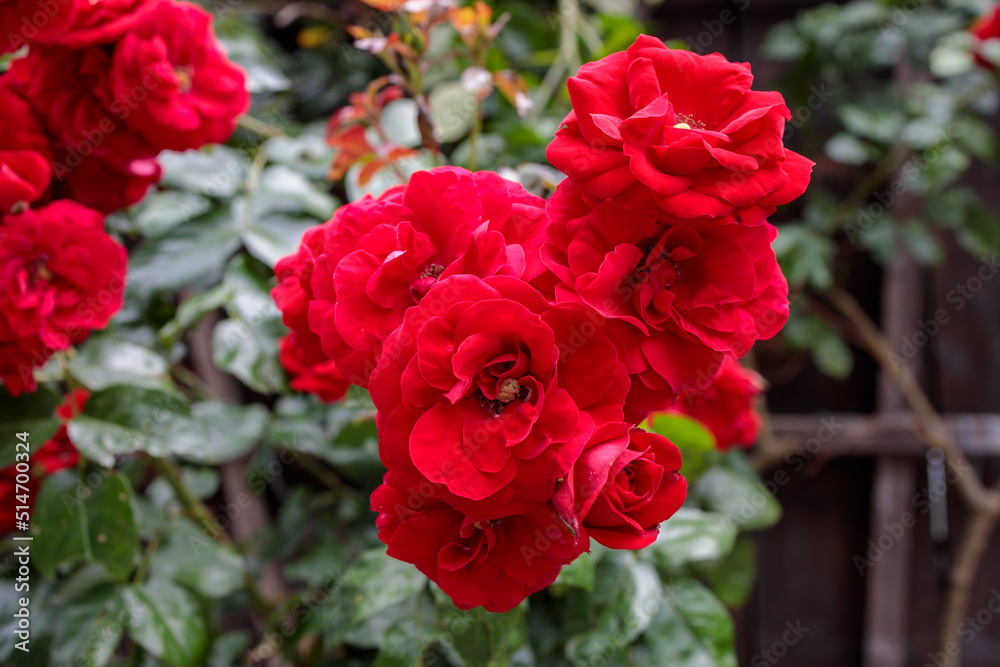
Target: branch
column 930, row 426
column 983, row 503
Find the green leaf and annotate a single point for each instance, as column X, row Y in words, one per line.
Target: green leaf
column 737, row 493
column 188, row 556
column 733, row 578
column 219, row 172
column 105, row 361
column 190, row 254
column 693, row 627
column 160, row 212
column 89, row 628
column 452, row 111
column 190, row 312
column 697, row 444
column 282, row 189
column 231, row 430
column 246, row 345
column 165, row 620
column 34, row 414
column 578, row 574
column 122, row 420
column 480, row 638
column 691, row 536
column 250, row 52
column 845, row 148
column 95, row 523
column 979, row 232
column 228, row 649
column 399, row 119
column 805, row 256
column 380, row 582
column 275, row 236
column 627, row 596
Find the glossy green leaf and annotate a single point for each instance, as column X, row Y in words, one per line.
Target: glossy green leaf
column 34, row 414
column 94, row 522
column 166, row 621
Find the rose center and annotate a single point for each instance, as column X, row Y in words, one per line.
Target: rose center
column 508, row 390
column 687, row 122
column 38, row 271
column 184, row 79
column 429, row 276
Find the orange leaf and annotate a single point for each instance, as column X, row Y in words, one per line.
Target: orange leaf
column 385, row 5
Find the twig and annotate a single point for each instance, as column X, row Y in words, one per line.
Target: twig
column 983, row 503
column 262, row 128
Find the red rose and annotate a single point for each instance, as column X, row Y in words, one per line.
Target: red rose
column 61, row 275
column 18, row 359
column 24, row 151
column 98, row 161
column 626, row 483
column 726, row 407
column 301, row 352
column 660, row 128
column 491, row 393
column 192, row 94
column 24, row 177
column 58, row 453
column 987, row 27
column 310, row 370
column 382, row 255
column 494, row 564
column 679, row 295
column 108, row 185
column 99, row 22
column 24, row 21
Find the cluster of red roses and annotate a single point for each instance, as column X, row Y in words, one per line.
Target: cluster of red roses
column 511, row 345
column 103, row 88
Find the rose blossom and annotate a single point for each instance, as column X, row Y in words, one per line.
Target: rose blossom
column 301, row 352
column 99, row 21
column 382, row 255
column 625, row 483
column 24, row 21
column 491, row 393
column 494, row 564
column 19, row 356
column 61, row 275
column 726, row 407
column 97, row 160
column 58, row 453
column 661, row 128
column 24, row 151
column 679, row 295
column 193, row 93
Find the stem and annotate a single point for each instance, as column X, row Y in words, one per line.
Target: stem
column 197, row 510
column 147, row 555
column 191, row 504
column 961, row 576
column 260, row 127
column 477, row 128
